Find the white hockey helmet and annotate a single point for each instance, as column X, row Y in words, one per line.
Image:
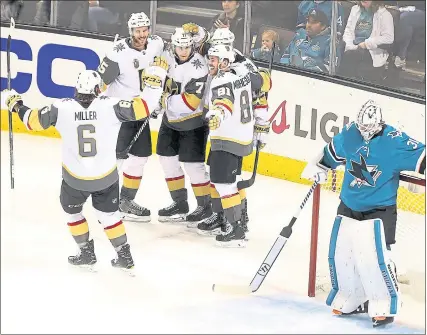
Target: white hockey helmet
column 369, row 120
column 222, row 36
column 89, row 82
column 137, row 20
column 222, row 52
column 181, row 39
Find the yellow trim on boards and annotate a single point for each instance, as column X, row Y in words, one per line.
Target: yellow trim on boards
column 269, row 164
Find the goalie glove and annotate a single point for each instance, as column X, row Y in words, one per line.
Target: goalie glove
column 315, row 171
column 261, row 135
column 215, row 117
column 13, row 100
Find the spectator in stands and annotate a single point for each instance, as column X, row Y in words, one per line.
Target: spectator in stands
column 264, row 53
column 231, row 19
column 104, row 12
column 306, row 6
column 42, row 12
column 369, row 31
column 10, row 8
column 412, row 18
column 310, row 47
column 73, row 14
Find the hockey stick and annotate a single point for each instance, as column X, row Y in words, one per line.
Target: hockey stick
column 271, row 257
column 11, row 160
column 124, row 153
column 249, row 182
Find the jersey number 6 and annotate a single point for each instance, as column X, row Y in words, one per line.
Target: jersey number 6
column 87, row 145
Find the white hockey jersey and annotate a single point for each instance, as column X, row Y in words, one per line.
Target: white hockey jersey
column 122, row 67
column 89, row 135
column 233, row 94
column 184, row 111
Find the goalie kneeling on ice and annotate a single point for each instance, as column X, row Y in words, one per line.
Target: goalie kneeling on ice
column 361, row 269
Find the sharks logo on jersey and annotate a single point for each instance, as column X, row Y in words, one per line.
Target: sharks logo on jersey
column 363, row 174
column 395, row 133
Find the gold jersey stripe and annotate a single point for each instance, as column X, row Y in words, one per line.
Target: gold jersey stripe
column 89, row 178
column 201, row 190
column 214, row 192
column 230, row 140
column 140, row 108
column 224, row 103
column 191, row 100
column 116, row 230
column 78, row 228
column 175, row 184
column 242, row 193
column 186, row 117
column 34, row 121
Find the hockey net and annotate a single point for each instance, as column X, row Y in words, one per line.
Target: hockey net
column 409, row 250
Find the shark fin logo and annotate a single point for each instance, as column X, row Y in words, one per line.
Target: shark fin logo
column 363, row 174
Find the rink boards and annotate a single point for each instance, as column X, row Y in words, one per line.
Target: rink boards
column 305, row 112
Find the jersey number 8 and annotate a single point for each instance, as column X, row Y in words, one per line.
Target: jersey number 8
column 87, row 145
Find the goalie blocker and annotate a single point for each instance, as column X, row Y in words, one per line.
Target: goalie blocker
column 362, row 271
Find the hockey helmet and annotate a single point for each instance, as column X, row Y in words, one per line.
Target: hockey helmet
column 181, row 39
column 89, row 82
column 222, row 52
column 222, row 36
column 137, row 20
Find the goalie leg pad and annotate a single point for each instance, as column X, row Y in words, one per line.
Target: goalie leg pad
column 376, row 268
column 347, row 291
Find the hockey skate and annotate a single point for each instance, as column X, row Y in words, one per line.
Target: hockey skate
column 379, row 321
column 245, row 218
column 124, row 259
column 174, row 213
column 134, row 212
column 232, row 236
column 212, row 225
column 359, row 310
column 86, row 257
column 199, row 214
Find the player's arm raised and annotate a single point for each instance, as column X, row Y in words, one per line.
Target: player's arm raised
column 34, row 119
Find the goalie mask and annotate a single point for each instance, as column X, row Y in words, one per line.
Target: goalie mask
column 220, row 58
column 369, row 120
column 139, row 29
column 182, row 45
column 222, row 36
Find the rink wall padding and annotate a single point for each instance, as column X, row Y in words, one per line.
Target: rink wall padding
column 268, row 164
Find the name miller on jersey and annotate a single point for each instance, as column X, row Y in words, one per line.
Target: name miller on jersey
column 85, row 115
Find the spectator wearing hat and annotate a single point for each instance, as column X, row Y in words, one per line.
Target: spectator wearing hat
column 309, row 48
column 306, row 6
column 369, row 26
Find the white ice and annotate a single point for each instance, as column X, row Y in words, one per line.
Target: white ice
column 171, row 293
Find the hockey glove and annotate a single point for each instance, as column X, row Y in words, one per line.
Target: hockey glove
column 171, row 87
column 315, row 171
column 160, row 62
column 190, row 28
column 260, row 135
column 215, row 117
column 163, row 105
column 12, row 100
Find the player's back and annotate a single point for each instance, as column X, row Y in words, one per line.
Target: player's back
column 89, row 137
column 234, row 92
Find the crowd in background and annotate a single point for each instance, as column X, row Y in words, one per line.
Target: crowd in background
column 380, row 42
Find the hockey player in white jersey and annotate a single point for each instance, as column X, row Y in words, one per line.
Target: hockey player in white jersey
column 241, row 66
column 232, row 126
column 122, row 70
column 183, row 133
column 89, row 125
column 360, row 260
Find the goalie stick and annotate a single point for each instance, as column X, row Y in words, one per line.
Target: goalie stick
column 271, row 257
column 11, row 158
column 249, row 182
